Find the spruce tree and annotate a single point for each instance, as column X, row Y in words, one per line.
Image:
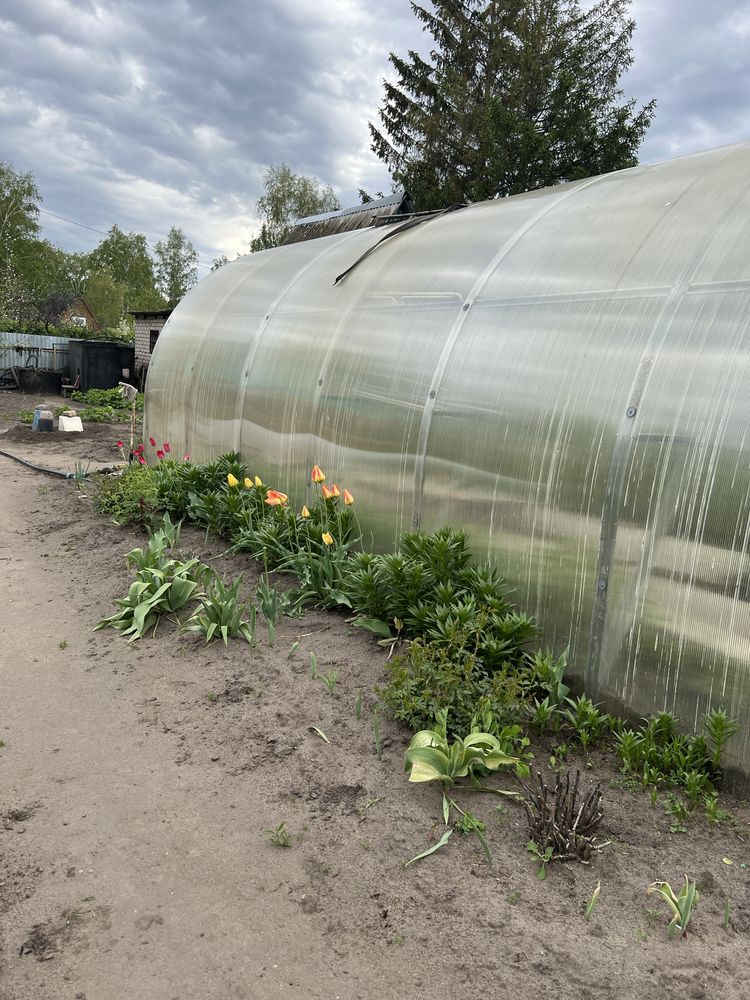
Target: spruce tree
column 516, row 95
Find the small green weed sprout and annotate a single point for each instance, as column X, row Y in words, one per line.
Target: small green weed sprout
column 681, row 905
column 330, row 679
column 543, row 857
column 279, row 836
column 714, row 814
column 63, row 644
column 292, row 650
column 358, row 706
column 313, row 666
column 558, row 755
column 725, row 915
column 593, row 900
column 676, row 808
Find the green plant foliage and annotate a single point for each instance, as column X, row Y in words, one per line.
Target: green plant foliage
column 220, row 614
column 129, row 498
column 98, row 415
column 586, row 720
column 156, row 591
column 659, row 754
column 279, row 835
column 162, row 544
column 107, row 398
column 432, row 757
column 426, row 679
column 542, row 856
column 719, row 730
column 681, row 905
column 273, row 603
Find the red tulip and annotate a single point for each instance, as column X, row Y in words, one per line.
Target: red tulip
column 120, row 445
column 152, row 442
column 167, row 447
column 160, row 455
column 186, row 457
column 141, row 459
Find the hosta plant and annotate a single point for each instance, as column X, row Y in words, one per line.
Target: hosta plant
column 432, row 757
column 220, row 614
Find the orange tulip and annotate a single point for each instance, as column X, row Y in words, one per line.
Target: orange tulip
column 317, row 475
column 305, row 512
column 327, row 538
column 274, row 498
column 335, row 490
column 328, row 494
column 348, row 498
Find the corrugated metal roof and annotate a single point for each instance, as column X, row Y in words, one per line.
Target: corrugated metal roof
column 348, row 219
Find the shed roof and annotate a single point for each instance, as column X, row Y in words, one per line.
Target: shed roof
column 371, row 213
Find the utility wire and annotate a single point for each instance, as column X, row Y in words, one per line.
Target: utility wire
column 99, row 231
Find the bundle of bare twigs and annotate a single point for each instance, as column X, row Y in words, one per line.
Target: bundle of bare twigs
column 559, row 820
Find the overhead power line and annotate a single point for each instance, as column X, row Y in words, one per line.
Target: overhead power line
column 91, row 229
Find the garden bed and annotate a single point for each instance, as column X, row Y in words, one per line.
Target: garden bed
column 224, row 744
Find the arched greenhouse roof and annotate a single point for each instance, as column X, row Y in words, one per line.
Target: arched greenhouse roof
column 565, row 374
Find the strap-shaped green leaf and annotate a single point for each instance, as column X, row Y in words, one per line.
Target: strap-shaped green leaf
column 427, row 764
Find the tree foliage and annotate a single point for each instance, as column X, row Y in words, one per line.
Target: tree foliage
column 39, row 280
column 176, row 265
column 287, row 197
column 106, row 298
column 516, row 95
column 125, row 258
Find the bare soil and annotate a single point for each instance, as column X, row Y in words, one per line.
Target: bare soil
column 137, row 783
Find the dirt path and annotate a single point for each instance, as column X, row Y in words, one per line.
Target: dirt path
column 137, row 783
column 151, row 882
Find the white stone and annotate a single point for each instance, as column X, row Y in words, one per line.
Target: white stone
column 69, row 424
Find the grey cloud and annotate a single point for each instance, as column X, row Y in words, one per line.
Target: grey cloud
column 199, row 99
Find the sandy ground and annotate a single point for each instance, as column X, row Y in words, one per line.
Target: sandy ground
column 94, row 448
column 137, row 783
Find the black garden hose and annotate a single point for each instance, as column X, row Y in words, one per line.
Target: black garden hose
column 41, row 468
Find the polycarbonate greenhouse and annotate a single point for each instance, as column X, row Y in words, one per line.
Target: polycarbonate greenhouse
column 565, row 374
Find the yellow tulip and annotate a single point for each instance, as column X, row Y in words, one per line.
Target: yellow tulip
column 248, row 483
column 258, row 481
column 305, row 512
column 232, row 481
column 327, row 538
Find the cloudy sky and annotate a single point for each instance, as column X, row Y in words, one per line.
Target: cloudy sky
column 153, row 113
